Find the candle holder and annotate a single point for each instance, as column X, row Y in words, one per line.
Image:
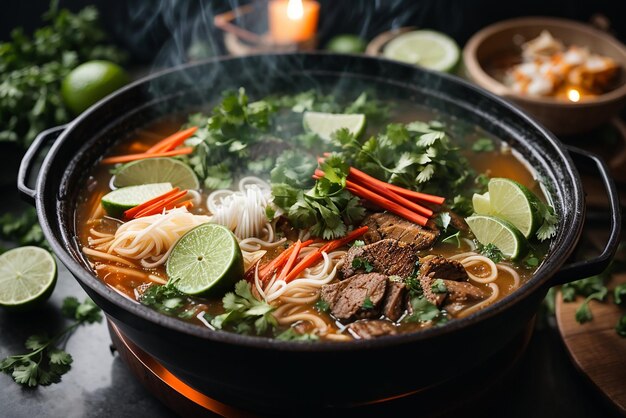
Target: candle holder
column 239, row 40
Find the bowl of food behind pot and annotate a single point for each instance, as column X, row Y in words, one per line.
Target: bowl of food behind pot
column 570, row 105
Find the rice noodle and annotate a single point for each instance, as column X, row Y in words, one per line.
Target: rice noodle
column 495, row 292
column 106, row 256
column 512, row 272
column 480, row 259
column 151, row 238
column 242, row 211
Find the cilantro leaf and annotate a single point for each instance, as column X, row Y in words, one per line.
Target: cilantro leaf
column 439, row 286
column 292, row 335
column 423, row 310
column 583, row 313
column 548, row 227
column 367, row 303
column 243, row 311
column 362, row 263
column 619, row 294
column 46, row 363
column 483, row 145
column 620, row 328
column 492, row 252
column 321, row 305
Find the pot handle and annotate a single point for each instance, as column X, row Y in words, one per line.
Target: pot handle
column 586, row 268
column 30, row 157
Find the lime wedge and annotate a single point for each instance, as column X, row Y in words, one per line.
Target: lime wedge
column 426, row 48
column 206, row 258
column 157, row 170
column 325, row 124
column 481, row 203
column 502, row 234
column 27, row 277
column 510, row 201
column 120, row 200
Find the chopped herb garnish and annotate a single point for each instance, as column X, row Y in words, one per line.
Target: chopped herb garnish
column 46, row 362
column 358, row 243
column 292, row 335
column 244, row 312
column 492, row 252
column 439, row 286
column 322, row 306
column 367, row 303
column 414, row 286
column 362, row 263
column 168, row 300
column 548, row 227
column 483, row 145
column 531, row 261
column 423, row 310
column 583, row 313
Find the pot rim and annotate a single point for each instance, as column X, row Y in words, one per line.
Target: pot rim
column 88, row 279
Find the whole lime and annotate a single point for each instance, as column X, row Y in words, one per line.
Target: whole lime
column 346, row 44
column 90, row 82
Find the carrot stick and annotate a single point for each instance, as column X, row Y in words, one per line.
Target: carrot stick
column 387, row 204
column 141, row 156
column 409, row 194
column 395, row 197
column 316, row 256
column 291, row 261
column 172, row 141
column 159, row 206
column 130, row 212
column 275, row 264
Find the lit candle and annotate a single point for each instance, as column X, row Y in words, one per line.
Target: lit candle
column 293, row 20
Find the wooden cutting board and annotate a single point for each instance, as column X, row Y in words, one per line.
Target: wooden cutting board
column 595, row 347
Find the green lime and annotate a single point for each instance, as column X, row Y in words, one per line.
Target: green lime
column 502, row 234
column 118, row 201
column 426, row 48
column 481, row 203
column 512, row 202
column 157, row 170
column 325, row 124
column 346, row 44
column 205, row 258
column 27, row 277
column 90, row 82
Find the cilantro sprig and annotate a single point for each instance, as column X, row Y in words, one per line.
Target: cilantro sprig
column 245, row 313
column 47, row 362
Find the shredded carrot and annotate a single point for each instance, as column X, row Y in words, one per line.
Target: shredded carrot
column 141, row 156
column 389, row 194
column 133, row 211
column 172, row 141
column 384, row 203
column 291, row 261
column 316, row 256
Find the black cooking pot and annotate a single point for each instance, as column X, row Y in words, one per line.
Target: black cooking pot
column 265, row 374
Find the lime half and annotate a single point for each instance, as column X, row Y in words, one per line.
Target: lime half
column 425, row 48
column 346, row 44
column 157, row 170
column 118, row 201
column 502, row 234
column 510, row 201
column 27, row 277
column 205, row 258
column 325, row 124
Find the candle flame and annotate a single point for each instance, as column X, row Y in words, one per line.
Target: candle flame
column 295, row 10
column 573, row 95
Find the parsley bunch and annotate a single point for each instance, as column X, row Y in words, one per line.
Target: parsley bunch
column 31, row 70
column 46, row 362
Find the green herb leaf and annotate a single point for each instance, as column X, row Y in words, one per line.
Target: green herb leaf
column 321, row 305
column 492, row 252
column 620, row 328
column 362, row 263
column 619, row 294
column 423, row 310
column 483, row 145
column 439, row 286
column 367, row 303
column 583, row 313
column 292, row 335
column 453, row 239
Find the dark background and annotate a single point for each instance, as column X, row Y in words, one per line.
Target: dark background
column 162, row 31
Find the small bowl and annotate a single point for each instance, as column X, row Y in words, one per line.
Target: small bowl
column 560, row 116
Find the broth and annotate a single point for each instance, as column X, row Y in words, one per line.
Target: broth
column 501, row 162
